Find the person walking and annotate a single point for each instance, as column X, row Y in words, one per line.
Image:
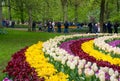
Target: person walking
column 109, row 27
column 104, row 27
column 59, row 27
column 66, row 25
column 40, row 26
column 33, row 26
column 49, row 24
column 116, row 25
column 53, row 26
column 90, row 26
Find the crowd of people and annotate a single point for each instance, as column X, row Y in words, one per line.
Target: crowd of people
column 107, row 27
column 8, row 23
column 51, row 26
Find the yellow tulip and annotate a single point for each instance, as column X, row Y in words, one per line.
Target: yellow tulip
column 35, row 57
column 88, row 48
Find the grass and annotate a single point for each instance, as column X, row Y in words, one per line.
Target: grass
column 15, row 40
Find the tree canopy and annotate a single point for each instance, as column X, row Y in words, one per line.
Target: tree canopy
column 61, row 10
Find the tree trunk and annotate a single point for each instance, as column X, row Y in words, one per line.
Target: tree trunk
column 76, row 13
column 22, row 13
column 65, row 13
column 22, row 17
column 0, row 13
column 30, row 20
column 9, row 10
column 118, row 5
column 47, row 10
column 102, row 11
column 64, row 9
column 107, row 14
column 44, row 15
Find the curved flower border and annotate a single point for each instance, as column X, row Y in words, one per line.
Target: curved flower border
column 50, row 47
column 100, row 42
column 35, row 57
column 88, row 48
column 29, row 64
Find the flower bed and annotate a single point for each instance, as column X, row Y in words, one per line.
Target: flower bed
column 68, row 58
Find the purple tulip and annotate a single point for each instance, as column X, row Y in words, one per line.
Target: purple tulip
column 119, row 79
column 114, row 43
column 107, row 76
column 7, row 79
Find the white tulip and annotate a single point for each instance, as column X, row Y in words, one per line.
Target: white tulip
column 84, row 61
column 68, row 63
column 111, row 71
column 70, row 57
column 89, row 63
column 79, row 71
column 95, row 68
column 59, row 58
column 87, row 66
column 113, row 78
column 89, row 72
column 72, row 66
column 102, row 78
column 116, row 73
column 81, row 65
column 105, row 69
column 86, row 71
column 77, row 58
column 101, row 72
column 63, row 62
column 75, row 62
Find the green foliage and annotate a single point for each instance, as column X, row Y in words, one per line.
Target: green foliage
column 52, row 9
column 115, row 18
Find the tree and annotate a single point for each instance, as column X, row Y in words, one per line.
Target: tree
column 7, row 4
column 9, row 10
column 19, row 8
column 107, row 13
column 62, row 10
column 0, row 13
column 76, row 5
column 64, row 4
column 102, row 11
column 118, row 5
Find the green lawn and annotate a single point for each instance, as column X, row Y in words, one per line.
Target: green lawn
column 15, row 40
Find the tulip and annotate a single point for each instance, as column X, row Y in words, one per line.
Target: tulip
column 6, row 79
column 111, row 71
column 102, row 78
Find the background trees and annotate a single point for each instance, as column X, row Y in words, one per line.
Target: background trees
column 61, row 10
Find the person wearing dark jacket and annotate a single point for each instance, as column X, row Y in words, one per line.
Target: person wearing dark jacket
column 59, row 27
column 116, row 25
column 109, row 27
column 66, row 25
column 33, row 26
column 90, row 26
